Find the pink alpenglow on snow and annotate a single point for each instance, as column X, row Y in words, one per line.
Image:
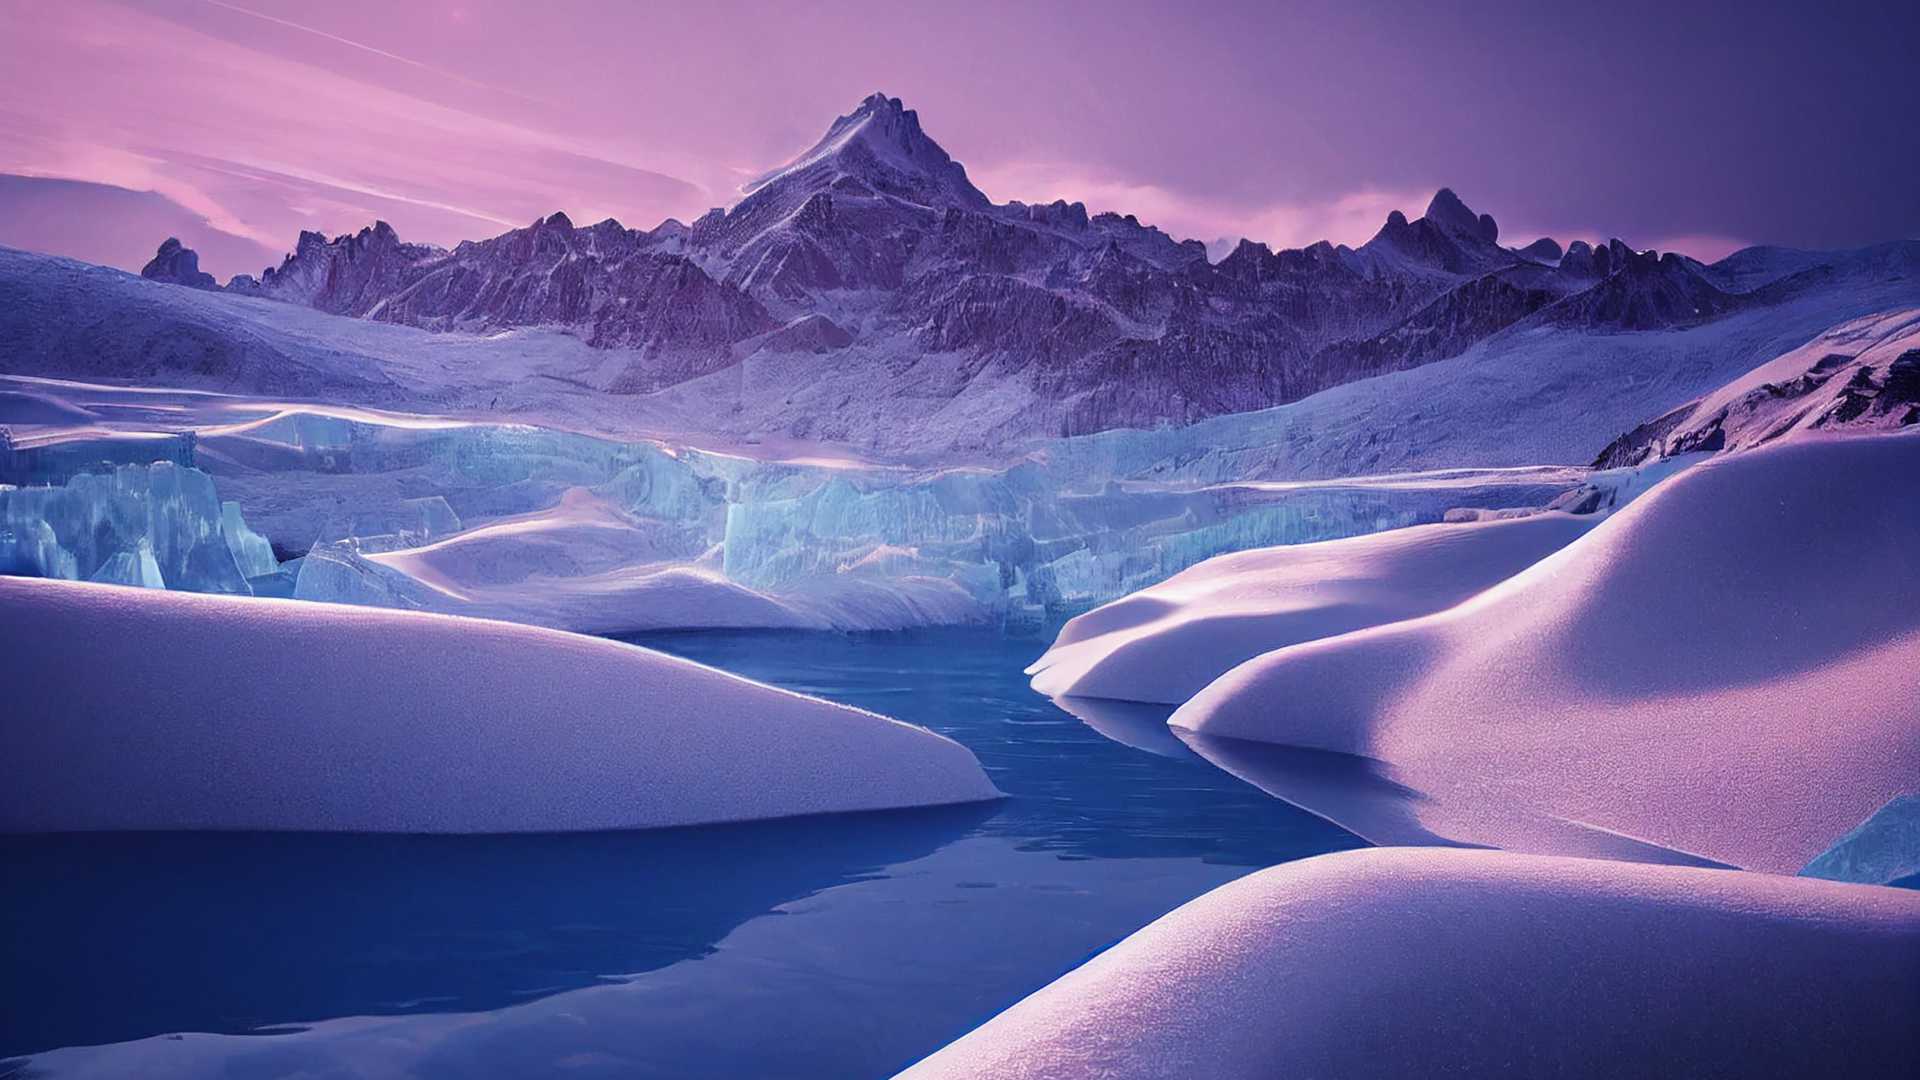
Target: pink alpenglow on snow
column 1729, row 667
column 132, row 709
column 1437, row 962
column 1166, row 643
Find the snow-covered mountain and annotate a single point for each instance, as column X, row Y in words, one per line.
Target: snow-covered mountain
column 1032, row 320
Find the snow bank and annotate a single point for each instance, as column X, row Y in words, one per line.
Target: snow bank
column 1728, row 667
column 132, row 709
column 1166, row 643
column 1431, row 962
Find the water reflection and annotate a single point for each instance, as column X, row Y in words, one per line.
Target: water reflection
column 1377, row 803
column 1075, row 789
column 118, row 936
column 1138, row 724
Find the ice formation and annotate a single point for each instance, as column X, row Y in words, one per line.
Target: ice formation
column 574, row 531
column 1657, row 676
column 1881, row 850
column 229, row 713
column 1421, row 962
column 158, row 525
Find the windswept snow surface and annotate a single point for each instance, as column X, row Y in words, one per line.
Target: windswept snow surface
column 135, row 709
column 1166, row 643
column 1728, row 667
column 1405, row 962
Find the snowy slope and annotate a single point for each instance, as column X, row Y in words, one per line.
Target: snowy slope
column 1401, row 962
column 1528, row 395
column 137, row 709
column 1167, row 642
column 1727, row 667
column 1860, row 375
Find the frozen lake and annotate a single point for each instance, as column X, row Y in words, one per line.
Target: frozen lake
column 828, row 947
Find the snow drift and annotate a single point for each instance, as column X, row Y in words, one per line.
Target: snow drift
column 1728, row 667
column 1426, row 962
column 1166, row 643
column 136, row 709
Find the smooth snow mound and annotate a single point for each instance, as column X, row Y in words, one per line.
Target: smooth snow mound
column 1437, row 962
column 1166, row 643
column 134, row 709
column 1730, row 666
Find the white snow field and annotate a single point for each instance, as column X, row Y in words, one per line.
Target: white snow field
column 210, row 712
column 1436, row 962
column 1728, row 667
column 1167, row 642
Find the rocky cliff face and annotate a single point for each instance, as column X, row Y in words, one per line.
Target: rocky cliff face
column 876, row 240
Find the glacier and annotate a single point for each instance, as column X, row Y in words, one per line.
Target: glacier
column 598, row 534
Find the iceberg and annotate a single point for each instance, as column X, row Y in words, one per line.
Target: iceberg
column 1431, row 961
column 230, row 713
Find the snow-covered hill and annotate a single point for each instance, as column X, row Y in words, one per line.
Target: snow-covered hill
column 1398, row 962
column 227, row 713
column 1727, row 667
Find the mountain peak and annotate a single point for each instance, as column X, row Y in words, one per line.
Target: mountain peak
column 879, row 144
column 1447, row 211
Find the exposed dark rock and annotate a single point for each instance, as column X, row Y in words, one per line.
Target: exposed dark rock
column 177, row 264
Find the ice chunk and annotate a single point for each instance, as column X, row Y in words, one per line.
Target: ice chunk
column 136, row 568
column 1881, row 850
column 251, row 551
column 225, row 713
column 163, row 514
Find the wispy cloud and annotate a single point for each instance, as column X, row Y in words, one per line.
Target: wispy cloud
column 1351, row 218
column 306, row 145
column 369, row 49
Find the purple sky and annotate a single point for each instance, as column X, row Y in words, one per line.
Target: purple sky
column 1671, row 124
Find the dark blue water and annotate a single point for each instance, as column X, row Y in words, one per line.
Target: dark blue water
column 872, row 939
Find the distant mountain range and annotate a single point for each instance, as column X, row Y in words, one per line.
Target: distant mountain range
column 875, row 240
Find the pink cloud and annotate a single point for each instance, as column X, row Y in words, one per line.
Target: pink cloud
column 1350, row 219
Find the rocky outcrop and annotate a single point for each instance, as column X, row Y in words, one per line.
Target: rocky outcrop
column 177, row 264
column 1644, row 291
column 1862, row 376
